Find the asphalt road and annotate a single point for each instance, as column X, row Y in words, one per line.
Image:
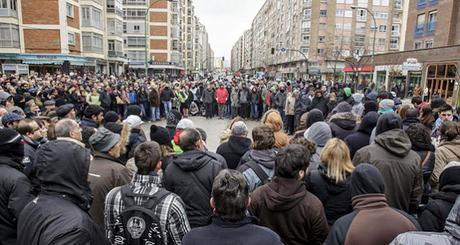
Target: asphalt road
column 213, row 128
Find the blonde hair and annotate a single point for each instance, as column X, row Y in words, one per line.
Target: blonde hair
column 336, row 157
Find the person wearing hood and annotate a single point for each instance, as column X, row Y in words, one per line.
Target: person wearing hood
column 236, row 146
column 360, row 138
column 59, row 214
column 272, row 118
column 410, row 117
column 400, row 166
column 191, row 175
column 136, row 135
column 448, row 150
column 421, row 144
column 280, row 100
column 258, row 164
column 181, row 126
column 319, row 133
column 372, row 221
column 15, row 191
column 106, row 170
column 450, row 235
column 358, row 106
column 93, row 116
column 284, row 204
column 342, row 120
column 208, row 99
column 161, row 136
column 172, row 119
column 435, row 212
column 331, row 181
column 301, row 106
column 347, row 95
column 319, row 102
column 370, row 106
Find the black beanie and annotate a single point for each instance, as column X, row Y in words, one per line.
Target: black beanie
column 114, row 127
column 134, row 110
column 370, row 106
column 160, row 135
column 111, row 116
column 388, row 121
column 366, row 179
column 10, row 144
column 314, row 115
column 450, row 175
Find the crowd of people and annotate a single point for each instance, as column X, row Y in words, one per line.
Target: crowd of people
column 329, row 163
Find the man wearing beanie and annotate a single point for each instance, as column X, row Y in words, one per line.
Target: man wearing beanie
column 434, row 215
column 111, row 117
column 106, row 171
column 343, row 121
column 161, row 136
column 236, row 146
column 400, row 166
column 14, row 194
column 372, row 221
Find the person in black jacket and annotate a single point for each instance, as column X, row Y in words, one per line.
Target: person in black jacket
column 360, row 138
column 236, row 146
column 342, row 120
column 59, row 214
column 166, row 97
column 230, row 225
column 15, row 187
column 433, row 217
column 320, row 103
column 191, row 175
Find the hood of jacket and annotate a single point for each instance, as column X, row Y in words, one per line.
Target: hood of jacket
column 319, row 133
column 264, row 157
column 395, row 141
column 284, row 194
column 368, row 123
column 62, row 169
column 193, row 160
column 358, row 98
column 453, row 220
column 239, row 145
column 344, row 120
column 452, row 146
column 366, row 179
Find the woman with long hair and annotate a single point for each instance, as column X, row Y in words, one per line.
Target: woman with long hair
column 426, row 117
column 331, row 181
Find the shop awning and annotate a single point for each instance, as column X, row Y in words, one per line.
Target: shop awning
column 55, row 59
column 360, row 69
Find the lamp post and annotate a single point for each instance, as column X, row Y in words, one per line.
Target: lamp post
column 374, row 78
column 302, row 53
column 147, row 27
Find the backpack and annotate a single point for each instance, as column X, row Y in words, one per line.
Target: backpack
column 264, row 178
column 138, row 225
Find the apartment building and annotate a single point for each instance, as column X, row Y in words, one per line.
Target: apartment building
column 286, row 33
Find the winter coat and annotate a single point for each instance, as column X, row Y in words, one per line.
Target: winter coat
column 450, row 236
column 208, row 96
column 105, row 173
column 372, row 221
column 290, row 106
column 336, row 197
column 133, row 97
column 360, row 138
column 235, row 98
column 220, row 232
column 319, row 133
column 446, row 152
column 221, row 95
column 358, row 106
column 280, row 100
column 399, row 165
column 166, row 95
column 255, row 97
column 154, row 98
column 265, row 159
column 244, row 96
column 427, row 161
column 14, row 195
column 302, row 103
column 234, row 149
column 320, row 103
column 343, row 124
column 87, row 122
column 286, row 207
column 59, row 214
column 190, row 176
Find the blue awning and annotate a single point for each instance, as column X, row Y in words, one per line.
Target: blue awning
column 55, row 59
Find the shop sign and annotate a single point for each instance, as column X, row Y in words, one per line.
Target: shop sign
column 411, row 64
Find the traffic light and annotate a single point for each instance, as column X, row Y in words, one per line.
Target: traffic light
column 273, row 51
column 223, row 58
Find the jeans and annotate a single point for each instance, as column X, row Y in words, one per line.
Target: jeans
column 155, row 115
column 254, row 111
column 208, row 107
column 221, row 110
column 168, row 107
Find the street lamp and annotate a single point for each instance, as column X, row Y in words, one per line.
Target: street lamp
column 145, row 31
column 299, row 51
column 374, row 78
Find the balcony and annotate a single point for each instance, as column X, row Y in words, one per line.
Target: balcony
column 430, row 28
column 419, row 30
column 115, row 54
column 421, row 4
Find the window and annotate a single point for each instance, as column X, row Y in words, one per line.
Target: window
column 428, row 43
column 136, row 56
column 361, row 28
column 4, row 4
column 395, row 30
column 361, row 15
column 306, row 26
column 382, row 28
column 420, row 27
column 417, row 45
column 381, row 41
column 320, row 51
column 380, row 2
column 134, row 14
column 394, row 43
column 136, row 27
column 321, row 39
column 322, row 13
column 71, row 38
column 92, row 42
column 307, row 14
column 91, row 17
column 70, row 10
column 381, row 15
column 340, row 12
column 9, row 36
column 135, row 42
column 305, row 38
column 431, row 25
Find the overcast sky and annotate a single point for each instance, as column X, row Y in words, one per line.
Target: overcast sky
column 225, row 21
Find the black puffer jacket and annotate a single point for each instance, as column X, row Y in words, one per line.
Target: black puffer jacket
column 343, row 124
column 360, row 138
column 234, row 149
column 59, row 214
column 14, row 195
column 336, row 197
column 191, row 176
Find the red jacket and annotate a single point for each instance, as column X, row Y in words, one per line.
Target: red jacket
column 221, row 95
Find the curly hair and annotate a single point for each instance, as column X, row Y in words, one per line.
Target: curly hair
column 418, row 134
column 310, row 146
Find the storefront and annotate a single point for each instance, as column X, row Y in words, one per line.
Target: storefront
column 441, row 81
column 43, row 63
